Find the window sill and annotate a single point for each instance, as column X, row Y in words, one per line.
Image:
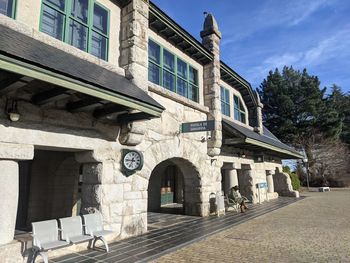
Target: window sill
column 176, row 97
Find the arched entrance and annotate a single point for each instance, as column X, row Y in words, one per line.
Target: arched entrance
column 174, row 187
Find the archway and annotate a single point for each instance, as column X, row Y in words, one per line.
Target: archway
column 174, row 187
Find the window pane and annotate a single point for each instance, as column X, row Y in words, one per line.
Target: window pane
column 168, row 80
column 236, row 102
column 168, row 60
column 99, row 46
column 181, row 87
column 222, row 107
column 237, row 115
column 57, row 3
column 242, row 117
column 181, row 68
column 222, row 93
column 80, row 9
column 6, row 7
column 227, row 110
column 153, row 73
column 227, row 96
column 100, row 18
column 154, row 52
column 77, row 35
column 193, row 77
column 193, row 93
column 52, row 22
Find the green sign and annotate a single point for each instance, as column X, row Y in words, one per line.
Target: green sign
column 198, row 126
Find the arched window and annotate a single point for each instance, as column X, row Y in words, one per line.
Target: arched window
column 239, row 111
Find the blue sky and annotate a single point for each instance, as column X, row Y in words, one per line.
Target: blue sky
column 258, row 36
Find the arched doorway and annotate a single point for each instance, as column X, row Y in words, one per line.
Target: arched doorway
column 174, row 187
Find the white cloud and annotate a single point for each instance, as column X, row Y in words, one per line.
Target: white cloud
column 270, row 14
column 329, row 48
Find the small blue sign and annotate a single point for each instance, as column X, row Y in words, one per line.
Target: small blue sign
column 262, row 185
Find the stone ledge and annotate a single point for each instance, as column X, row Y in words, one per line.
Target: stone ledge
column 11, row 151
column 177, row 98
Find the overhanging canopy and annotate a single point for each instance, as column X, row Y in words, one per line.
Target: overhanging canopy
column 23, row 55
column 242, row 137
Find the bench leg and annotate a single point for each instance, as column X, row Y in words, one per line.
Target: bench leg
column 103, row 241
column 44, row 255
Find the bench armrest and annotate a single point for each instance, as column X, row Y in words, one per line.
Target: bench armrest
column 36, row 242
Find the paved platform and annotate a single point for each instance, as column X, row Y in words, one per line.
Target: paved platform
column 170, row 232
column 316, row 229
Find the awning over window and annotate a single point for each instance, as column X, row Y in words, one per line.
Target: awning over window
column 241, row 137
column 22, row 57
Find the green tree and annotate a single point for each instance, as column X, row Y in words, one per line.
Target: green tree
column 295, row 109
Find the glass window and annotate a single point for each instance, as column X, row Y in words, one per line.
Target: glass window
column 100, row 18
column 168, row 80
column 7, row 8
column 60, row 4
column 78, row 35
column 154, row 52
column 153, row 73
column 80, row 10
column 181, row 69
column 81, row 23
column 239, row 111
column 193, row 76
column 225, row 101
column 182, row 87
column 99, row 46
column 171, row 72
column 168, row 60
column 52, row 22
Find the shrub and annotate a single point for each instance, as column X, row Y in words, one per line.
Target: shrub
column 295, row 181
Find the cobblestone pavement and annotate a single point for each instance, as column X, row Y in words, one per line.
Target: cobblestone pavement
column 316, row 229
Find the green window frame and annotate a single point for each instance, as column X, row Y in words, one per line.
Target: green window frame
column 171, row 72
column 239, row 111
column 83, row 24
column 8, row 8
column 225, row 101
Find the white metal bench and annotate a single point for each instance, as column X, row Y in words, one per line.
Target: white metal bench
column 46, row 234
column 324, row 189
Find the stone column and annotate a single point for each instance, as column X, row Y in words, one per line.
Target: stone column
column 269, row 180
column 211, row 40
column 231, row 179
column 8, row 199
column 10, row 154
column 134, row 59
column 259, row 125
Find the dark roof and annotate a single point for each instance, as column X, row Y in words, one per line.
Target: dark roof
column 22, row 47
column 266, row 137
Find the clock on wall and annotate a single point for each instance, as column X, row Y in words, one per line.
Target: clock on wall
column 132, row 161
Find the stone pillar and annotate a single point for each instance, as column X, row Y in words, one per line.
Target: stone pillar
column 134, row 60
column 231, row 179
column 9, row 176
column 259, row 125
column 269, row 180
column 211, row 40
column 8, row 199
column 247, row 185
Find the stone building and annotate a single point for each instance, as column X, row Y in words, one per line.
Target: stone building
column 93, row 95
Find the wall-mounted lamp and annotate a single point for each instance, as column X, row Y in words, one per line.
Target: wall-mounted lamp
column 12, row 110
column 241, row 154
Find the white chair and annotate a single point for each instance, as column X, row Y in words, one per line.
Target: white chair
column 72, row 230
column 94, row 227
column 46, row 237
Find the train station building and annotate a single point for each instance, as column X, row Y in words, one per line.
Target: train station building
column 113, row 105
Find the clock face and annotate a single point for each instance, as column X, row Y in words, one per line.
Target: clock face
column 132, row 160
